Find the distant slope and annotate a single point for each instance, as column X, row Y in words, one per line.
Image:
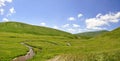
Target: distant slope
column 88, row 35
column 104, row 47
column 17, row 27
column 114, row 34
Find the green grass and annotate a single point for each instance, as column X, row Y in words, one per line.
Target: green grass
column 47, row 45
column 88, row 35
column 17, row 27
column 87, row 49
column 10, row 47
column 101, row 48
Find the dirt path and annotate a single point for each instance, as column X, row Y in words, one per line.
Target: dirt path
column 56, row 58
column 29, row 54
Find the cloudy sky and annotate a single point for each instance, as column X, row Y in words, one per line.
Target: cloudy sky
column 73, row 16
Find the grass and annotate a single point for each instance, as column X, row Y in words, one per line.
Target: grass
column 17, row 27
column 88, row 35
column 49, row 45
column 10, row 47
column 87, row 49
column 101, row 48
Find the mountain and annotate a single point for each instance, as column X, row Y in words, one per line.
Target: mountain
column 17, row 27
column 88, row 35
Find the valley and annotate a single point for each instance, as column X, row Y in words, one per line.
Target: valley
column 54, row 45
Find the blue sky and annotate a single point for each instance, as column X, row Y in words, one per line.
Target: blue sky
column 73, row 16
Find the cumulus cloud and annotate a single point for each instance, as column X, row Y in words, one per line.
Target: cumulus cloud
column 71, row 30
column 55, row 27
column 74, row 30
column 10, row 1
column 42, row 24
column 101, row 20
column 94, row 23
column 12, row 10
column 2, row 2
column 76, row 25
column 98, row 15
column 80, row 30
column 71, row 19
column 3, row 5
column 80, row 15
column 1, row 11
column 5, row 20
column 66, row 25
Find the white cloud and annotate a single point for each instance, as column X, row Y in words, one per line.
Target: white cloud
column 80, row 15
column 55, row 27
column 12, row 10
column 42, row 24
column 71, row 30
column 98, row 15
column 111, row 17
column 80, row 30
column 5, row 20
column 101, row 20
column 1, row 11
column 10, row 1
column 2, row 2
column 94, row 23
column 76, row 25
column 71, row 19
column 66, row 25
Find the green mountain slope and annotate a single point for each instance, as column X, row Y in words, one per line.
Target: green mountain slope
column 112, row 35
column 88, row 35
column 115, row 33
column 104, row 47
column 17, row 27
column 48, row 43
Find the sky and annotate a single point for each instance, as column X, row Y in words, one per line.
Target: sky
column 74, row 16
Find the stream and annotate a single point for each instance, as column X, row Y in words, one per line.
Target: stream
column 29, row 54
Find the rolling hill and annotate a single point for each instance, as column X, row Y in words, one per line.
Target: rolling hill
column 91, row 34
column 50, row 43
column 104, row 47
column 17, row 27
column 112, row 35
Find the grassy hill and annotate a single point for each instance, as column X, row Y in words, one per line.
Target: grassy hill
column 87, row 35
column 49, row 43
column 104, row 47
column 17, row 27
column 112, row 34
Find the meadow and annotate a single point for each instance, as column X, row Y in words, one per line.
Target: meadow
column 68, row 47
